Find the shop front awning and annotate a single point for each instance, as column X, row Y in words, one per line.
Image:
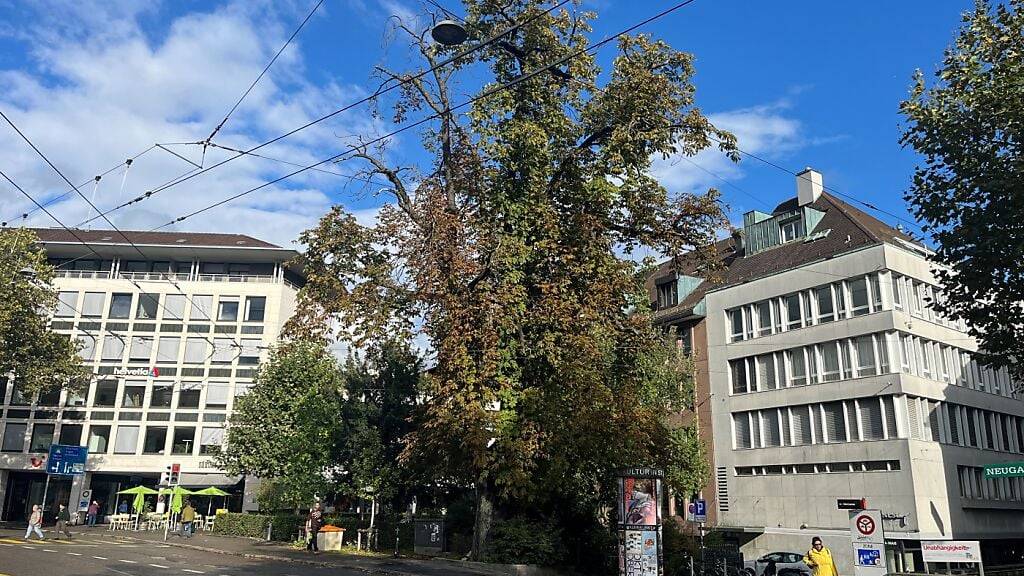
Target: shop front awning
column 197, row 479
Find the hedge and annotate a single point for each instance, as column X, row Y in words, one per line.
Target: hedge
column 235, row 524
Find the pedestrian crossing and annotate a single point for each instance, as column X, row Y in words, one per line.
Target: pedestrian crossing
column 75, row 542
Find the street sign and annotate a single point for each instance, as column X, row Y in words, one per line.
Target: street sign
column 1005, row 470
column 852, row 503
column 83, row 500
column 868, row 540
column 951, row 551
column 697, row 511
column 66, row 460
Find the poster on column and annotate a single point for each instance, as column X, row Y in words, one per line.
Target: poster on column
column 640, row 550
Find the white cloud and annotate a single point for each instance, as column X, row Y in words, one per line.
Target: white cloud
column 89, row 100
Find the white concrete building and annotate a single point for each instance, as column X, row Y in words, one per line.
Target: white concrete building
column 172, row 329
column 831, row 377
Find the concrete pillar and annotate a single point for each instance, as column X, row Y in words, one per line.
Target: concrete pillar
column 78, row 483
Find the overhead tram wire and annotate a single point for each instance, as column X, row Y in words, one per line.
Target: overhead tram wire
column 297, row 165
column 486, row 94
column 56, row 199
column 379, row 92
column 265, row 68
column 99, row 256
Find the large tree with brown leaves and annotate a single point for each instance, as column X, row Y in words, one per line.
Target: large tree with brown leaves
column 505, row 253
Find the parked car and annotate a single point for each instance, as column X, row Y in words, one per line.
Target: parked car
column 786, row 564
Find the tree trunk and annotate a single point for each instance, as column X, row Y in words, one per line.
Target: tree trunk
column 484, row 518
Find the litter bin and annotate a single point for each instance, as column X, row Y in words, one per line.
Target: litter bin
column 428, row 535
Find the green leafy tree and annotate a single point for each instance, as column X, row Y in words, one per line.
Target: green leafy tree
column 969, row 189
column 39, row 359
column 547, row 373
column 288, row 429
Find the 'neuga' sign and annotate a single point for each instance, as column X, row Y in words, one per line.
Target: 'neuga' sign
column 151, row 372
column 1004, row 470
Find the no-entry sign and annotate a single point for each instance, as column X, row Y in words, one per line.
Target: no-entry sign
column 868, row 538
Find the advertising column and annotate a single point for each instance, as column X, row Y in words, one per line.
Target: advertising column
column 640, row 552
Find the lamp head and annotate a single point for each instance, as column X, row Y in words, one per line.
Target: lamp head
column 449, row 33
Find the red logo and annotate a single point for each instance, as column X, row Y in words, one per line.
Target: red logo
column 155, row 372
column 865, row 525
column 37, row 462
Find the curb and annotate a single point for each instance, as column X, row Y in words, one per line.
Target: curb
column 271, row 557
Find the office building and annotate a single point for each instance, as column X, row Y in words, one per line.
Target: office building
column 172, row 326
column 823, row 373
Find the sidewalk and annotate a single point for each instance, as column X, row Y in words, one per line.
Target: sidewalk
column 260, row 550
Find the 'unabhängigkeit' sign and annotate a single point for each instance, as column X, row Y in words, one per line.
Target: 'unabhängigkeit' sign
column 1004, row 470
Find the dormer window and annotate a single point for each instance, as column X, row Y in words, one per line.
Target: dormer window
column 791, row 230
column 668, row 295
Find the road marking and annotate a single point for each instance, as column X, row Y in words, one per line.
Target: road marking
column 158, row 566
column 99, row 557
column 47, row 550
column 29, row 547
column 192, row 571
column 128, row 561
column 72, row 553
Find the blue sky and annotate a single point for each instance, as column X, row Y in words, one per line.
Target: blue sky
column 801, row 83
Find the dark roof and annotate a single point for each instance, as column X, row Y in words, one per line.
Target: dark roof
column 850, row 228
column 189, row 239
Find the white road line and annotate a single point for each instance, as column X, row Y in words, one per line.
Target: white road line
column 158, row 566
column 48, row 550
column 128, row 561
column 99, row 557
column 29, row 547
column 192, row 571
column 73, row 553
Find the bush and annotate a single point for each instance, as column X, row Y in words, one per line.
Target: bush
column 523, row 541
column 286, row 527
column 235, row 524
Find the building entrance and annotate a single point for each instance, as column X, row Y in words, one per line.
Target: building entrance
column 24, row 489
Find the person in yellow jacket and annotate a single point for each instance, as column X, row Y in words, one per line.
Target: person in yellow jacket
column 820, row 560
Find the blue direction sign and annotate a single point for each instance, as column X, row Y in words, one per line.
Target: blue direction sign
column 66, row 460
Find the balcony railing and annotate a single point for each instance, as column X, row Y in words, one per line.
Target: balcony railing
column 165, row 276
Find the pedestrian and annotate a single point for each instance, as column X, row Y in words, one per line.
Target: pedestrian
column 122, row 508
column 94, row 509
column 188, row 516
column 313, row 524
column 63, row 518
column 35, row 522
column 819, row 558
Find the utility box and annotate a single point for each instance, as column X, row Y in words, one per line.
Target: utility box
column 428, row 535
column 330, row 539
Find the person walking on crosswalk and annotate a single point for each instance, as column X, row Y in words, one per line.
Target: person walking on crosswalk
column 35, row 522
column 63, row 519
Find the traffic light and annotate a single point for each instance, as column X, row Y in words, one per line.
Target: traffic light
column 172, row 477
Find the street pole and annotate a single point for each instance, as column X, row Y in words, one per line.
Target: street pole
column 46, row 489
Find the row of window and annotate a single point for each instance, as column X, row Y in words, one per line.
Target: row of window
column 872, row 418
column 126, row 441
column 148, row 306
column 862, row 356
column 827, row 303
column 842, row 359
column 230, row 268
column 137, row 394
column 820, row 468
column 167, row 349
column 915, row 297
column 959, row 425
column 975, row 486
column 108, row 415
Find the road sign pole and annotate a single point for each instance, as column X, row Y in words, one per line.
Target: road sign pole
column 46, row 489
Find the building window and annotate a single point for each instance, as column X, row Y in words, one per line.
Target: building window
column 791, row 230
column 113, row 348
column 127, row 440
column 871, row 422
column 202, row 305
column 71, row 434
column 865, row 349
column 188, row 398
column 741, row 423
column 86, row 347
column 211, row 440
column 250, row 352
column 14, row 437
column 772, row 429
column 174, row 307
column 92, row 304
column 156, row 439
column 224, row 350
column 829, row 361
column 217, row 394
column 146, row 309
column 668, row 294
column 42, row 437
column 167, row 349
column 120, row 306
column 67, row 302
column 106, row 393
column 859, row 300
column 142, row 348
column 834, row 420
column 826, row 310
column 736, row 321
column 764, row 318
column 184, row 440
column 99, row 438
column 133, row 396
column 766, row 372
column 802, row 426
column 195, row 351
column 738, row 372
column 797, row 367
column 227, row 310
column 794, row 316
column 255, row 306
column 161, row 397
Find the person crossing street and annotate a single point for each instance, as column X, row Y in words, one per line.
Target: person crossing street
column 63, row 519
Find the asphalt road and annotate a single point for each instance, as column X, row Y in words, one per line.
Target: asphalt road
column 92, row 554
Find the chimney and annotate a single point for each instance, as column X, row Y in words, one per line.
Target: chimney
column 809, row 186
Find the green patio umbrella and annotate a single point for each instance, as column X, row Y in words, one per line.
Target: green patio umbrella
column 210, row 492
column 140, row 501
column 176, row 493
column 138, row 490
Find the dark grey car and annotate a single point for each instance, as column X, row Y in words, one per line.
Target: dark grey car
column 786, row 564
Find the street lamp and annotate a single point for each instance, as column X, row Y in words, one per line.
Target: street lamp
column 449, row 33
